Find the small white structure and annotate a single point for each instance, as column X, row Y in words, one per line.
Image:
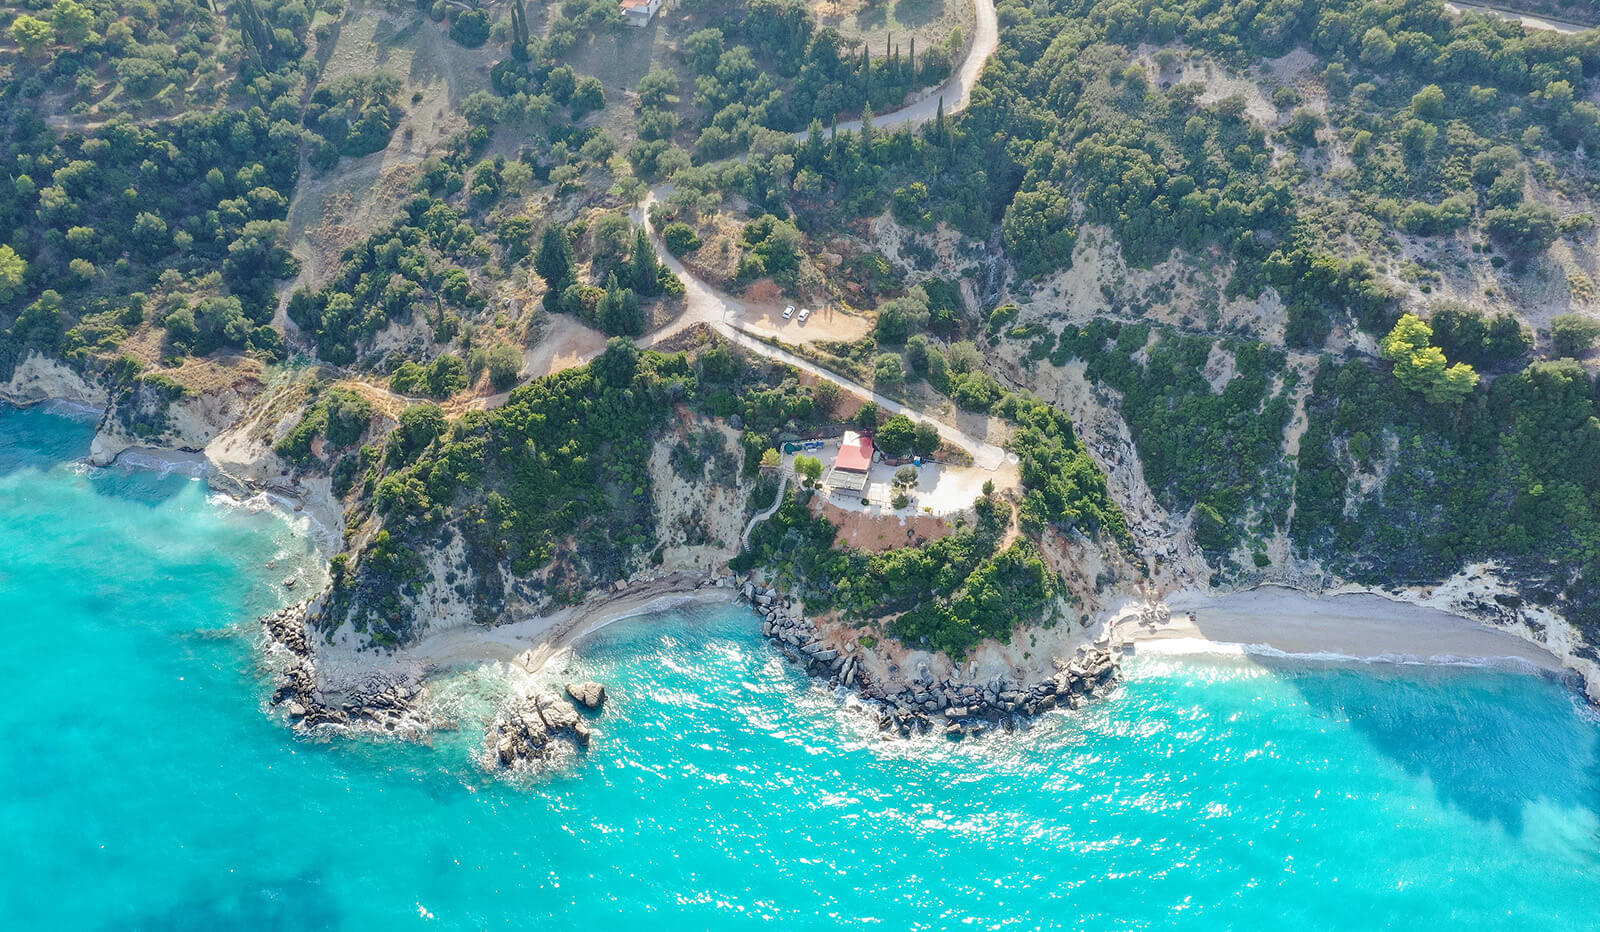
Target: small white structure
column 639, row 13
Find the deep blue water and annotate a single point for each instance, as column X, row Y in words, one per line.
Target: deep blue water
column 141, row 785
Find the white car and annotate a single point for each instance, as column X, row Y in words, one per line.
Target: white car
column 788, row 312
column 805, row 312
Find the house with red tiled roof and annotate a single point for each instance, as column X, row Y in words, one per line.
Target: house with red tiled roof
column 850, row 467
column 640, row 12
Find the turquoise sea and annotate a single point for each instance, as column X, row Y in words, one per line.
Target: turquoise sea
column 142, row 787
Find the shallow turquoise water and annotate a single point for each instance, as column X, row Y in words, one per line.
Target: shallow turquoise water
column 142, row 787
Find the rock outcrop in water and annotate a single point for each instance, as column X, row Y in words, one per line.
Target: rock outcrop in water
column 955, row 708
column 589, row 694
column 534, row 731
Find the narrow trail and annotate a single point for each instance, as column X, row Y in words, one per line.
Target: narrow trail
column 783, row 485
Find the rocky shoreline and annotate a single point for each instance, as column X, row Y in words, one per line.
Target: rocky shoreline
column 538, row 728
column 957, row 709
column 529, row 732
column 384, row 704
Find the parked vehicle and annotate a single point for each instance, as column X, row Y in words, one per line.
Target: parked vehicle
column 805, row 312
column 788, row 312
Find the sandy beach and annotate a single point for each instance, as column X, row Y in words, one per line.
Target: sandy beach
column 1274, row 620
column 531, row 643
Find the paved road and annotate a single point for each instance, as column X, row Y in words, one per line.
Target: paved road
column 1533, row 21
column 704, row 304
column 956, row 92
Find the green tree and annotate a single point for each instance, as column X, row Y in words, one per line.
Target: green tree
column 809, row 468
column 897, row 436
column 1422, row 367
column 1525, row 230
column 703, row 49
column 825, row 395
column 505, row 364
column 31, row 34
column 867, row 417
column 72, row 21
column 1428, row 103
column 680, row 238
column 554, row 261
column 643, row 265
column 1303, row 126
column 1376, row 47
column 619, row 312
column 1574, row 334
column 13, row 268
column 899, row 318
column 888, row 370
column 446, row 376
column 470, row 27
column 588, row 97
column 618, row 364
column 419, row 426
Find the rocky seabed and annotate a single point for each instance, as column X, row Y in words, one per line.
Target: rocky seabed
column 954, row 708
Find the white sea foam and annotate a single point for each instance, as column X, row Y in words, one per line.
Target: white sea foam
column 73, row 410
column 253, row 504
column 301, row 519
column 165, row 464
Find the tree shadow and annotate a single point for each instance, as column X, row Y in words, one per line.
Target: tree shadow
column 872, row 16
column 1486, row 747
column 916, row 13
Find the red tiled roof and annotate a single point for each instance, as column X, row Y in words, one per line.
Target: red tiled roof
column 855, row 453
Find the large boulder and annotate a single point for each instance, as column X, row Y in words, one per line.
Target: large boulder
column 589, row 694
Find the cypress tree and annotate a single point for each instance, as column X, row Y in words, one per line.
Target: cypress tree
column 519, row 31
column 815, row 147
column 554, row 261
column 643, row 267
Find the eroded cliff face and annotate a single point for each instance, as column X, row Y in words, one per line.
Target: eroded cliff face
column 700, row 500
column 37, row 379
column 696, row 495
column 167, row 414
column 1097, row 581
